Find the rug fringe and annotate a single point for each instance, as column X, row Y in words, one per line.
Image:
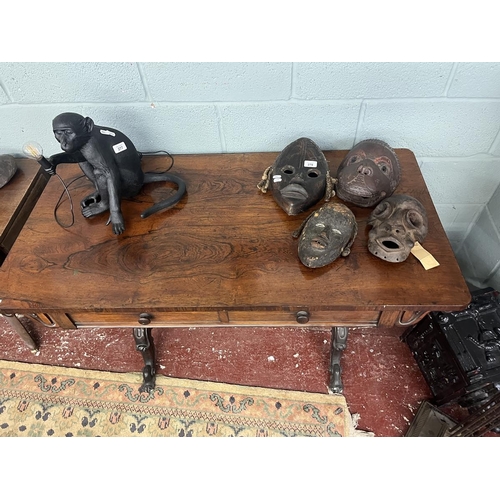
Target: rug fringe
column 355, row 432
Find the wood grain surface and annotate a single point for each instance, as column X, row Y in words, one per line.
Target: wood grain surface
column 17, row 199
column 225, row 247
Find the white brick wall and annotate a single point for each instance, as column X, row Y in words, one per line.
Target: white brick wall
column 448, row 114
column 76, row 82
column 370, row 81
column 270, row 126
column 433, row 127
column 213, row 82
column 493, row 209
column 476, row 80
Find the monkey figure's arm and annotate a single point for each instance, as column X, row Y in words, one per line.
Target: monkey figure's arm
column 108, row 179
column 113, row 186
column 56, row 159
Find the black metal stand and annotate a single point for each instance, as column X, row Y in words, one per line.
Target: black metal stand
column 144, row 344
column 339, row 342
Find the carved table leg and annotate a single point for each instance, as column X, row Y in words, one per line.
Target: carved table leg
column 18, row 327
column 144, row 344
column 339, row 342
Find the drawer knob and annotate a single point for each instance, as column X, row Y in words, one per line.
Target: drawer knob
column 145, row 318
column 302, row 317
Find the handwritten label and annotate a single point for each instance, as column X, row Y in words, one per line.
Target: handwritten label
column 276, row 178
column 118, row 148
column 425, row 258
column 107, row 132
column 310, row 164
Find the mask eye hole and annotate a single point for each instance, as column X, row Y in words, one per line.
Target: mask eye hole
column 415, row 219
column 382, row 210
column 312, row 174
column 353, row 159
column 384, row 164
column 288, row 170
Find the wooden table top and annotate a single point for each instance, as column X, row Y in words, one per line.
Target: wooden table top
column 17, row 198
column 225, row 246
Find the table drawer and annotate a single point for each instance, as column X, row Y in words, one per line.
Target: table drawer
column 226, row 318
column 304, row 318
column 153, row 319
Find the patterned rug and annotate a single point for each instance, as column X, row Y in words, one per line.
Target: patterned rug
column 38, row 400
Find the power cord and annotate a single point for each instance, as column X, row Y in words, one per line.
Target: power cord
column 68, row 194
column 152, row 153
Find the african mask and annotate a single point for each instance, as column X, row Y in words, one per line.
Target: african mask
column 299, row 177
column 326, row 234
column 8, row 168
column 397, row 223
column 368, row 174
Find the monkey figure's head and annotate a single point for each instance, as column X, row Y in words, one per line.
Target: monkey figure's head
column 72, row 131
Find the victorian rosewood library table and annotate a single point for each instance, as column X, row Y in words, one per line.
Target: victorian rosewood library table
column 223, row 256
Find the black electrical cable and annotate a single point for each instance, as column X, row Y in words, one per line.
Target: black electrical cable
column 152, row 153
column 66, row 186
column 59, row 201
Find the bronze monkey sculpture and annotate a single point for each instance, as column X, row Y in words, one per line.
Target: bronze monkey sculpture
column 111, row 162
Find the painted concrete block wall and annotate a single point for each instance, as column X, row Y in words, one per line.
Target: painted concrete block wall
column 479, row 256
column 447, row 113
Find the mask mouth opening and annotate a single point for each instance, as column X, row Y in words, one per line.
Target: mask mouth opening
column 358, row 187
column 390, row 245
column 388, row 249
column 319, row 242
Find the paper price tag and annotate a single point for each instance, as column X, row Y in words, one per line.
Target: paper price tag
column 118, row 148
column 310, row 164
column 425, row 258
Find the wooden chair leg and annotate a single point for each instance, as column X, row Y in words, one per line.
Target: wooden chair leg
column 18, row 327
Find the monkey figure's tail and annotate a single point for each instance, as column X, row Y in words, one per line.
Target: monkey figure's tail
column 169, row 202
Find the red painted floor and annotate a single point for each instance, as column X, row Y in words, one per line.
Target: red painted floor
column 382, row 382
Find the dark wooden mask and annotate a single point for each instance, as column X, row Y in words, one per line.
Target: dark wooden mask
column 368, row 174
column 326, row 234
column 298, row 177
column 397, row 223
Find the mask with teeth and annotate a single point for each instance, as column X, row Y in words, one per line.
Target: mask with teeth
column 397, row 223
column 368, row 174
column 299, row 177
column 326, row 234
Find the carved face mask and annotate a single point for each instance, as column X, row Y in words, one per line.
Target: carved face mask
column 398, row 222
column 299, row 177
column 326, row 234
column 8, row 168
column 368, row 174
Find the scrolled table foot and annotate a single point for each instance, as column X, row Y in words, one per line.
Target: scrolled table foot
column 338, row 345
column 335, row 385
column 144, row 345
column 148, row 377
